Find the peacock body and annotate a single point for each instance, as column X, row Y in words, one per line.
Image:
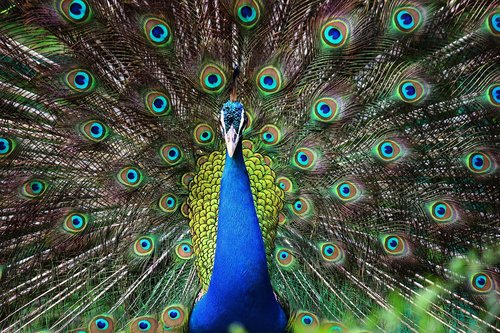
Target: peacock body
column 352, row 186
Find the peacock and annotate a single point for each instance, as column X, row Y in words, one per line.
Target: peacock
column 257, row 166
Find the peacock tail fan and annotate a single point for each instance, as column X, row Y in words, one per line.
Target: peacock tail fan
column 371, row 143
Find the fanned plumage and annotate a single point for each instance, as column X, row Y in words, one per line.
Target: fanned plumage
column 371, row 143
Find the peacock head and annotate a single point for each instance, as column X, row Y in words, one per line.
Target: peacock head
column 232, row 118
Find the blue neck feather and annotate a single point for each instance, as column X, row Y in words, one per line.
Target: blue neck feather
column 240, row 289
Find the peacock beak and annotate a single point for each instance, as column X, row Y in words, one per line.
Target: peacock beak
column 232, row 137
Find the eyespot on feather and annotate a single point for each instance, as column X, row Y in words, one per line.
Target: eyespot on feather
column 482, row 282
column 157, row 103
column 130, row 177
column 493, row 23
column 270, row 135
column 7, row 146
column 306, row 322
column 33, row 188
column 304, row 159
column 75, row 223
column 184, row 250
column 94, row 130
column 388, row 150
column 143, row 324
column 144, row 246
column 247, row 12
column 332, row 252
column 80, row 80
column 407, row 19
column 171, row 154
column 325, row 110
column 269, row 80
column 411, row 91
column 442, row 212
column 285, row 257
column 158, row 32
column 174, row 316
column 395, row 245
column 75, row 11
column 479, row 163
column 168, row 203
column 204, row 134
column 102, row 324
column 347, row 191
column 334, row 34
column 212, row 79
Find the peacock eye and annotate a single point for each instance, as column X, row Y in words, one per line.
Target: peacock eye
column 494, row 94
column 168, row 203
column 494, row 23
column 411, row 91
column 94, row 130
column 332, row 252
column 270, row 135
column 334, row 33
column 7, row 146
column 388, row 150
column 347, row 191
column 158, row 32
column 75, row 223
column 171, row 154
column 479, row 163
column 144, row 246
column 34, row 188
column 301, row 207
column 306, row 320
column 325, row 110
column 269, row 80
column 285, row 184
column 407, row 19
column 80, row 80
column 285, row 258
column 304, row 159
column 212, row 79
column 184, row 250
column 157, row 103
column 395, row 245
column 442, row 212
column 482, row 282
column 247, row 12
column 332, row 326
column 203, row 134
column 187, row 178
column 173, row 316
column 130, row 177
column 75, row 11
column 143, row 324
column 102, row 324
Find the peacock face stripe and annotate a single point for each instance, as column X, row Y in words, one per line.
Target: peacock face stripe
column 493, row 23
column 157, row 103
column 94, row 130
column 482, row 282
column 479, row 163
column 494, row 94
column 325, row 110
column 143, row 324
column 407, row 19
column 174, row 316
column 158, row 32
column 75, row 223
column 34, row 188
column 212, row 79
column 7, row 146
column 411, row 91
column 80, row 80
column 334, row 34
column 247, row 13
column 269, row 80
column 75, row 11
column 130, row 177
column 102, row 324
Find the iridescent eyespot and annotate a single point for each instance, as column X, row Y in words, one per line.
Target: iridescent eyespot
column 187, row 178
column 34, row 188
column 130, row 176
column 94, row 130
column 285, row 184
column 395, row 245
column 75, row 223
column 388, row 150
column 203, row 134
column 144, row 246
column 76, row 11
column 331, row 252
column 494, row 23
column 334, row 33
column 212, row 79
column 185, row 209
column 411, row 91
column 304, row 159
column 158, row 32
column 102, row 324
column 80, row 80
column 184, row 250
column 306, row 322
column 494, row 94
column 7, row 146
column 284, row 257
column 332, row 326
column 168, row 203
column 270, row 135
column 442, row 212
column 347, row 191
column 269, row 80
column 301, row 207
column 171, row 154
column 407, row 19
column 482, row 282
column 174, row 316
column 325, row 110
column 157, row 103
column 479, row 162
column 247, row 12
column 281, row 218
column 143, row 324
